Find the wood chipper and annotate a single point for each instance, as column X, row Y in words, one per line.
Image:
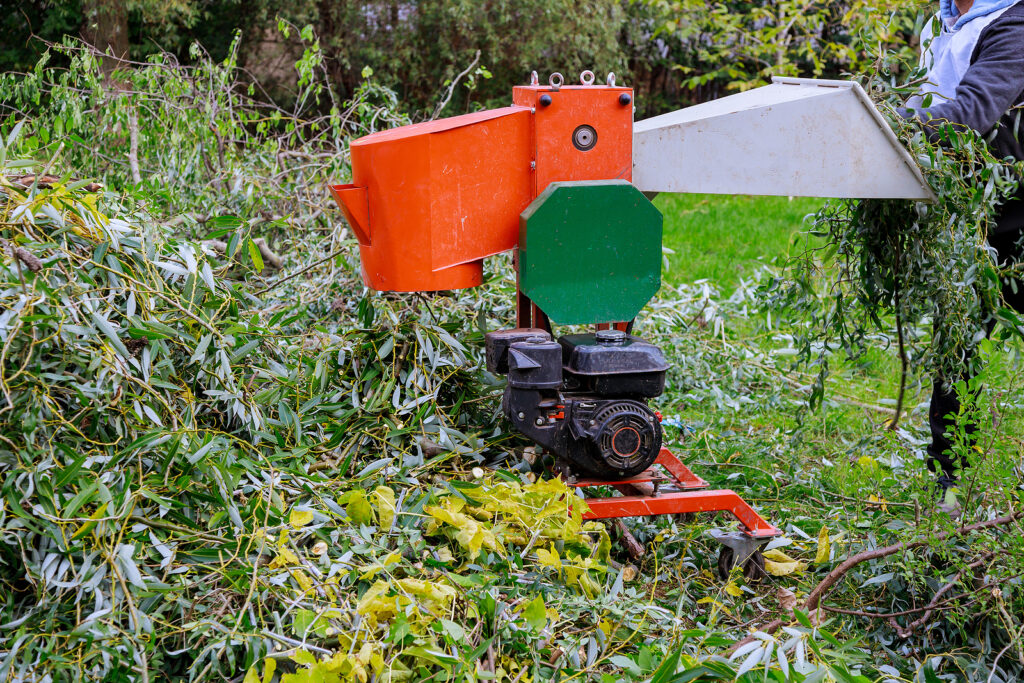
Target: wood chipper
column 563, row 178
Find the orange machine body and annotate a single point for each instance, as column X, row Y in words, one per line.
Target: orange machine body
column 428, row 202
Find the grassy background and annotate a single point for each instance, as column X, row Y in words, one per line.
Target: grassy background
column 724, row 238
column 727, row 239
column 752, row 447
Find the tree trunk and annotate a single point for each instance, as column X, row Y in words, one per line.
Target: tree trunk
column 106, row 28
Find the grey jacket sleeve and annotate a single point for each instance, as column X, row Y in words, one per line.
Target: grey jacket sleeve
column 993, row 83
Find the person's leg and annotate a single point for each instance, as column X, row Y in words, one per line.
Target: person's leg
column 942, row 414
column 945, row 403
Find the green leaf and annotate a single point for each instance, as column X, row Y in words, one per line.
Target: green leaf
column 305, row 623
column 929, row 674
column 667, row 670
column 626, row 663
column 453, row 630
column 254, row 254
column 107, row 329
column 442, row 659
column 535, row 613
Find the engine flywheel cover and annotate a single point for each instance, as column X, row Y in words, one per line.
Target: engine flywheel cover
column 628, row 436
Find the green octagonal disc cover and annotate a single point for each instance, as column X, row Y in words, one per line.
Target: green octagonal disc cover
column 590, row 251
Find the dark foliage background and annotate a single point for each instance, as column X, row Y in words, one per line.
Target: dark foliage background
column 673, row 52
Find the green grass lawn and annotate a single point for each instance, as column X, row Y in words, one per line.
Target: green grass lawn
column 724, row 238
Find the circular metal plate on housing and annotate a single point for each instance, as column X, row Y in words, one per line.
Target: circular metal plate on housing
column 584, row 137
column 628, row 438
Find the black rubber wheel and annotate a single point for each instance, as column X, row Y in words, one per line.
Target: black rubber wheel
column 753, row 568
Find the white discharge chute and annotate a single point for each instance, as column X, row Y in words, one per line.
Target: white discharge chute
column 795, row 137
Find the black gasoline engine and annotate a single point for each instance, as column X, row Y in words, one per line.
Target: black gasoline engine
column 583, row 397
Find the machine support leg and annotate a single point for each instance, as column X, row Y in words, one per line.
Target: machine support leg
column 682, row 502
column 641, row 498
column 680, row 472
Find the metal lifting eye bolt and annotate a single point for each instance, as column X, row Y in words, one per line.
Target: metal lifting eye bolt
column 555, row 80
column 584, row 138
column 587, row 77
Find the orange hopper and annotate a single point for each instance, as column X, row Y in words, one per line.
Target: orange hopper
column 428, row 202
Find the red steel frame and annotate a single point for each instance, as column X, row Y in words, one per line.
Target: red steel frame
column 641, row 499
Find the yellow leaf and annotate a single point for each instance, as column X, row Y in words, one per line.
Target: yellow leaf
column 300, row 518
column 305, row 583
column 434, row 594
column 732, row 589
column 90, row 525
column 285, row 558
column 867, row 462
column 376, row 608
column 370, row 571
column 358, row 508
column 778, row 563
column 384, row 498
column 472, row 535
column 878, row 501
column 824, row 547
column 549, row 558
column 269, row 667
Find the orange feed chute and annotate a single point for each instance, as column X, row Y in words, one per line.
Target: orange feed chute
column 428, row 202
column 439, row 197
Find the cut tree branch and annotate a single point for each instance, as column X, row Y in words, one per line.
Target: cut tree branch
column 826, row 584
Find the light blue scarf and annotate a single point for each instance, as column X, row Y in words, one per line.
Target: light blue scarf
column 951, row 15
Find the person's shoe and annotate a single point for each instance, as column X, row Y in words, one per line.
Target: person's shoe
column 948, row 494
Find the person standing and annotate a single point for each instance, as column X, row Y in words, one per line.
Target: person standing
column 974, row 55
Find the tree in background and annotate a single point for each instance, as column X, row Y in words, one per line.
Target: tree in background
column 674, row 52
column 418, row 47
column 120, row 28
column 720, row 46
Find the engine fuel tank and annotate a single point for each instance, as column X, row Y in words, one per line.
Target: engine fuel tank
column 612, row 363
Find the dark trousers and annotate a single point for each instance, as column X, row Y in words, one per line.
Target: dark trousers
column 945, row 405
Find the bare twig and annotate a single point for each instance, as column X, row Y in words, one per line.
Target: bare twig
column 133, row 145
column 904, row 361
column 633, row 546
column 299, row 272
column 451, row 88
column 907, row 631
column 814, row 597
